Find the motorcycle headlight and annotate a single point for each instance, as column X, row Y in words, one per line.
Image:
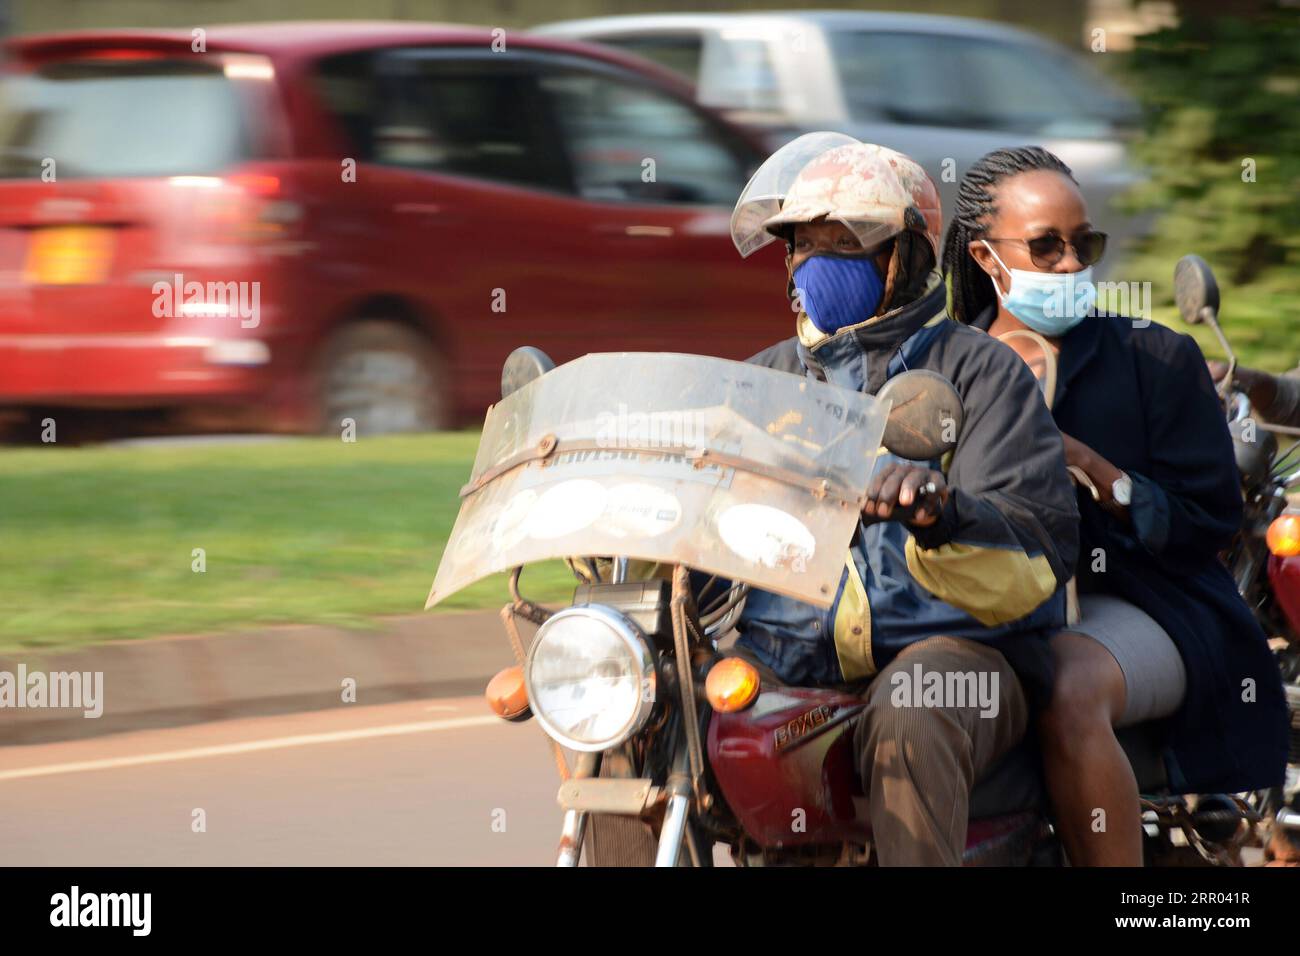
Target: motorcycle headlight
column 590, row 678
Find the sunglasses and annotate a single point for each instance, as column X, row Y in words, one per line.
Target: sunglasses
column 1046, row 251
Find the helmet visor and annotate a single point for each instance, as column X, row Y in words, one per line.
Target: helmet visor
column 761, row 199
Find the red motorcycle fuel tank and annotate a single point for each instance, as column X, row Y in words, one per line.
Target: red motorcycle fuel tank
column 792, row 751
column 786, row 767
column 1284, row 577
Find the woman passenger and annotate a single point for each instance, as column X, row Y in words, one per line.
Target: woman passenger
column 1163, row 635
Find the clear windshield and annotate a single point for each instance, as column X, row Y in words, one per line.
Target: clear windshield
column 734, row 469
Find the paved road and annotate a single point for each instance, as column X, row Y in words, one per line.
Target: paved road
column 415, row 783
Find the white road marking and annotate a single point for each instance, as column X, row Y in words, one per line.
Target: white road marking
column 224, row 750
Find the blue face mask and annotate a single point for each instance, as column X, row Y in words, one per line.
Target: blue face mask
column 838, row 291
column 1050, row 303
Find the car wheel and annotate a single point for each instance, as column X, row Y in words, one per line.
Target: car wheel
column 385, row 377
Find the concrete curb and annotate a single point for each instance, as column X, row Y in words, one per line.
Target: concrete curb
column 180, row 680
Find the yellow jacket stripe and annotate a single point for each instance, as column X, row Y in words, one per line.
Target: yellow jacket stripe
column 993, row 585
column 853, row 627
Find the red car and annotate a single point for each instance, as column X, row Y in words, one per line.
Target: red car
column 283, row 226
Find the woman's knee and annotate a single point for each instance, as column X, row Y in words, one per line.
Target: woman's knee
column 1088, row 692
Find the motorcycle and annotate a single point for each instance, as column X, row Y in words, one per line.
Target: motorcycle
column 1264, row 558
column 700, row 479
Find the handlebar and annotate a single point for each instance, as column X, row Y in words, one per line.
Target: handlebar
column 927, row 494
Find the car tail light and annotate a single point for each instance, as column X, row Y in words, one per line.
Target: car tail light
column 243, row 207
column 261, row 185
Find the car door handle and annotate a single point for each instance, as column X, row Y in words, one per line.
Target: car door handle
column 636, row 231
column 418, row 208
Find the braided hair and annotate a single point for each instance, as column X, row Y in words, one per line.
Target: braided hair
column 969, row 285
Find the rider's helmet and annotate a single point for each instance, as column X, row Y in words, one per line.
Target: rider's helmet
column 873, row 190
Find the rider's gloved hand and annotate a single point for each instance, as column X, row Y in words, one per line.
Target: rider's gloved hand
column 912, row 494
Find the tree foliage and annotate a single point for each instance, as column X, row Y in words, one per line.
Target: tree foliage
column 1222, row 98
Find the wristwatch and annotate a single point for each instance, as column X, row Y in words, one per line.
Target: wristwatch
column 1121, row 490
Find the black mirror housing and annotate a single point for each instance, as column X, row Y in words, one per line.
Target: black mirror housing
column 1195, row 289
column 926, row 417
column 522, row 366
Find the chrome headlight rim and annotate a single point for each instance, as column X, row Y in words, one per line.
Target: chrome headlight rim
column 636, row 643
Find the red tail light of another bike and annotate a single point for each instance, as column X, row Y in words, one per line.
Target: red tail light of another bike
column 1284, row 536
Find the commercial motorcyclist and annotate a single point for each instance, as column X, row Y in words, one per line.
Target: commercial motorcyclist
column 959, row 585
column 1163, row 634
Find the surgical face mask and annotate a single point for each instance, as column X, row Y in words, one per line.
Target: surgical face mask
column 838, row 291
column 1050, row 303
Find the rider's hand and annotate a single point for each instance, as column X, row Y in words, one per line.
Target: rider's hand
column 897, row 485
column 1260, row 387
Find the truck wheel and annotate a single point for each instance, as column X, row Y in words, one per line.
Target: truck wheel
column 385, row 377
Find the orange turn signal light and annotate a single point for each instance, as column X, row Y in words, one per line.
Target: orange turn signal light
column 507, row 695
column 1284, row 535
column 732, row 685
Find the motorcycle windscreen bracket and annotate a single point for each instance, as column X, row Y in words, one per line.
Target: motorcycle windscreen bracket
column 746, row 472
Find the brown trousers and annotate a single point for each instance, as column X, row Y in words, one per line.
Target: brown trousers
column 918, row 759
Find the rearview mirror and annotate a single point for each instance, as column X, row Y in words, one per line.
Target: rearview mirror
column 1195, row 290
column 1197, row 295
column 522, row 366
column 926, row 417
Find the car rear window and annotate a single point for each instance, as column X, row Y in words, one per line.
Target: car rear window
column 119, row 118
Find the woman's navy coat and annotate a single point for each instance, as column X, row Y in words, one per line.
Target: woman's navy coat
column 1139, row 394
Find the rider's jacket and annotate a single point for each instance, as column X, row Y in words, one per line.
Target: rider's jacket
column 991, row 569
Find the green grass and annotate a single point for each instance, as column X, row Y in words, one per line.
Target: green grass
column 96, row 543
